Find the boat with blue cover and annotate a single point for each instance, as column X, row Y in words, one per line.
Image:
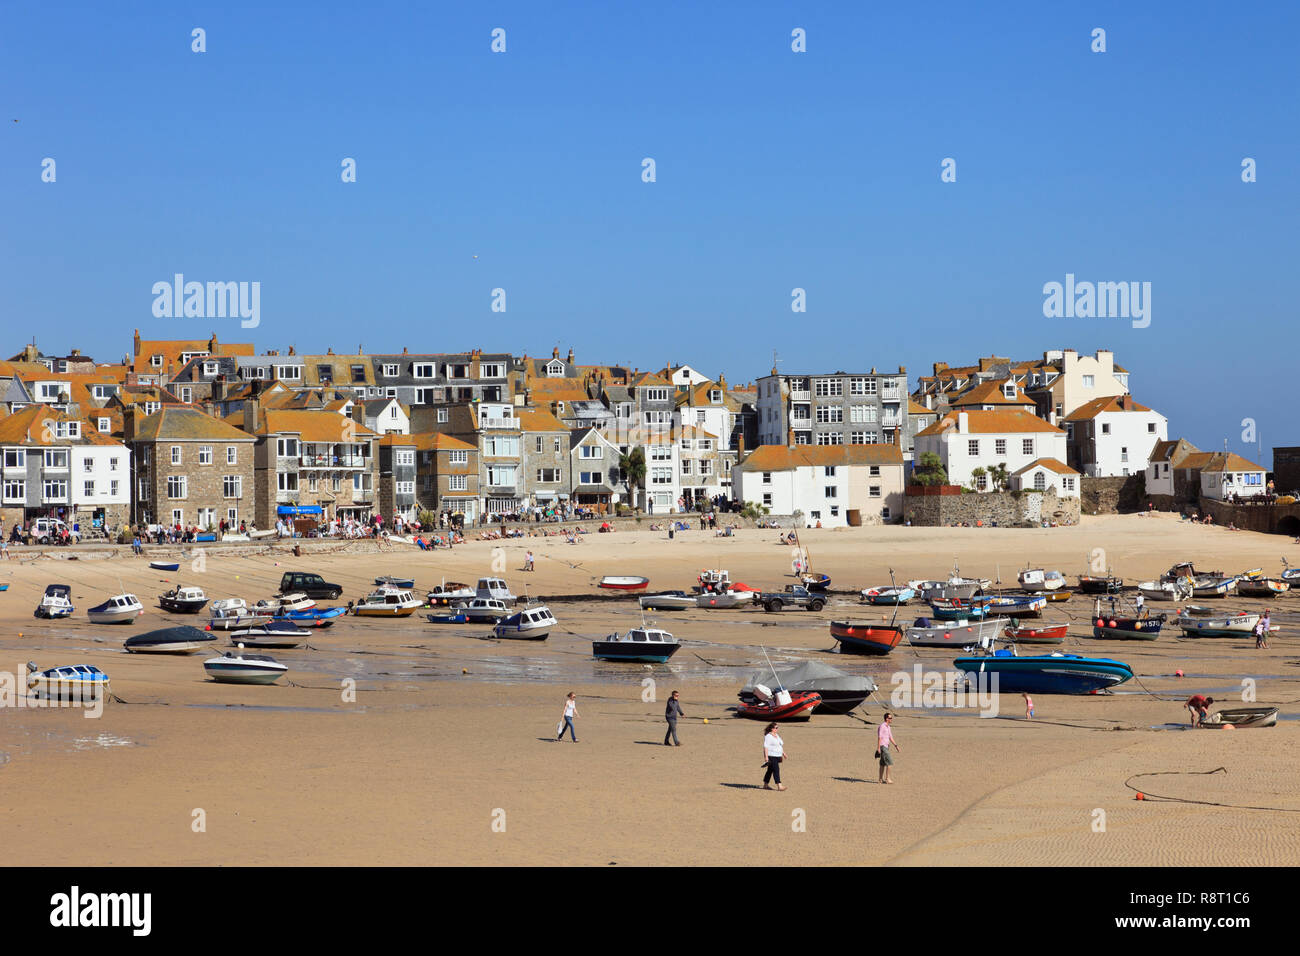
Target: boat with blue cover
column 888, row 595
column 1046, row 673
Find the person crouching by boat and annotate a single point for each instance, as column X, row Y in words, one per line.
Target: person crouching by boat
column 773, row 755
column 671, row 713
column 1199, row 707
column 570, row 712
column 885, row 745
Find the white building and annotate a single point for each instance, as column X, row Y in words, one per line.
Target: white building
column 1044, row 474
column 101, row 477
column 832, row 485
column 1167, row 458
column 965, row 441
column 1228, row 476
column 1113, row 436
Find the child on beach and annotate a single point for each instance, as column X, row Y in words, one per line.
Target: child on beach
column 1029, row 707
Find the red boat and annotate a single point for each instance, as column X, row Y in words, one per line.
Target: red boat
column 866, row 638
column 1052, row 634
column 800, row 708
column 623, row 582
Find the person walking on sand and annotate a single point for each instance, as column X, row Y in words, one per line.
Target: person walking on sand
column 1199, row 707
column 1029, row 707
column 528, row 561
column 570, row 712
column 886, row 744
column 671, row 713
column 773, row 755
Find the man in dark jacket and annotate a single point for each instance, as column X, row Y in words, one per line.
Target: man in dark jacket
column 671, row 713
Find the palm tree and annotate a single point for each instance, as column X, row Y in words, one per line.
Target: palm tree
column 999, row 476
column 632, row 466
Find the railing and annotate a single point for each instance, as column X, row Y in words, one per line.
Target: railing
column 510, row 423
column 800, row 395
column 332, row 461
column 891, row 420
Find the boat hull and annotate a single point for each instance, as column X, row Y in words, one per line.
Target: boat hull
column 243, row 674
column 628, row 651
column 728, row 599
column 1048, row 674
column 866, row 638
column 1052, row 634
column 668, row 602
column 113, row 617
column 958, row 634
column 505, row 633
column 384, row 611
column 1091, row 585
column 1126, row 629
column 181, row 607
column 622, row 583
column 1241, row 718
column 801, row 707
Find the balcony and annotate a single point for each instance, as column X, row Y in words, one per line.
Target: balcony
column 891, row 421
column 333, row 461
column 492, row 489
column 800, row 395
column 510, row 424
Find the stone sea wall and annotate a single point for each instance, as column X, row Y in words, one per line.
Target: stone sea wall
column 1001, row 509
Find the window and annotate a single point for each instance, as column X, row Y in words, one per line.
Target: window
column 105, row 424
column 862, row 386
column 287, row 481
column 205, row 454
column 178, row 516
column 232, row 486
column 491, row 370
column 701, row 416
column 828, row 387
column 655, row 394
column 15, row 489
column 501, row 475
column 176, row 454
column 404, row 457
column 1040, row 481
column 1151, row 428
column 286, row 447
column 833, row 438
column 830, row 414
column 1123, row 454
column 88, row 464
column 1105, row 428
column 156, row 361
column 706, row 468
column 591, row 477
column 404, row 487
column 458, row 457
column 442, row 415
column 358, row 374
column 829, row 471
column 187, row 394
column 661, row 452
column 661, row 476
column 973, row 447
column 884, row 513
column 1027, row 446
column 537, row 444
column 835, row 511
column 1067, row 483
column 152, row 407
column 56, row 458
column 715, row 397
column 767, row 477
column 862, row 414
column 767, row 498
column 558, row 442
column 1088, row 381
column 555, row 369
column 458, row 483
column 176, row 486
column 113, row 488
column 231, row 454
column 592, row 451
column 687, row 466
column 232, row 516
column 1000, row 447
column 289, row 372
column 830, row 491
column 658, row 418
column 857, row 438
column 425, row 370
column 548, row 476
column 982, row 482
column 209, row 369
column 873, row 491
column 874, row 471
column 89, row 489
column 686, row 444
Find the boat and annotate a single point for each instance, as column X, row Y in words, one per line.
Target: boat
column 1046, row 673
column 959, row 609
column 1186, row 569
column 1241, row 718
column 646, row 644
column 1099, row 584
column 668, row 601
column 1121, row 627
column 1204, row 588
column 1064, row 594
column 623, row 582
column 1017, row 605
column 71, row 682
column 1047, row 634
column 4, row 587
column 313, row 616
column 244, row 668
column 230, row 613
column 56, row 602
column 1036, row 579
column 1200, row 610
column 784, row 705
column 165, row 565
column 533, row 622
column 482, row 610
column 715, row 579
column 1262, row 587
column 1289, row 574
column 494, row 588
column 183, row 600
column 390, row 581
column 119, row 609
column 866, row 637
column 1165, row 590
column 955, row 587
column 927, row 633
column 814, row 581
column 275, row 634
column 447, row 618
column 1241, row 624
column 450, row 591
column 284, row 604
column 840, row 693
column 387, row 602
column 264, row 533
column 888, row 595
column 724, row 599
column 169, row 640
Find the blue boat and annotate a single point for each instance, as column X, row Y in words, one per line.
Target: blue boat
column 448, row 618
column 1018, row 605
column 888, row 595
column 1048, row 673
column 165, row 565
column 313, row 614
column 959, row 609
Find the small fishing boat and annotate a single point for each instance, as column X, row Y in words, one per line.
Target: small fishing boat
column 715, row 579
column 1241, row 624
column 1262, row 587
column 264, row 533
column 724, row 599
column 390, row 581
column 494, row 588
column 866, row 637
column 533, row 622
column 230, row 613
column 646, row 644
column 1099, row 584
column 1047, row 634
column 961, row 633
column 668, row 601
column 1037, row 579
column 784, row 705
column 244, row 668
column 1213, row 588
column 449, row 592
column 482, row 610
column 183, row 600
column 56, row 602
column 170, row 640
column 1016, row 605
column 956, row 587
column 1200, row 610
column 1241, row 718
column 1119, row 627
column 840, row 693
column 272, row 634
column 119, row 609
column 1186, row 569
column 447, row 618
column 1164, row 590
column 814, row 581
column 71, row 682
column 959, row 609
column 1064, row 594
column 165, row 565
column 1289, row 574
column 284, row 604
column 4, row 587
column 387, row 602
column 623, row 582
column 1047, row 673
column 888, row 595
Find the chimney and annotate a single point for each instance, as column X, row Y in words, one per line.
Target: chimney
column 963, row 423
column 722, row 382
column 212, row 343
column 740, row 444
column 790, row 440
column 137, row 342
column 570, row 354
column 404, row 351
column 555, row 352
column 128, row 423
column 252, row 415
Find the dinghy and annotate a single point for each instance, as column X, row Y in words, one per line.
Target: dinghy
column 1241, row 718
column 1164, row 590
column 1241, row 624
column 170, row 640
column 165, row 565
column 961, row 633
column 623, row 582
column 888, row 595
column 1213, row 587
column 958, row 609
column 1262, row 587
column 390, row 581
column 866, row 637
column 784, row 705
column 840, row 692
column 1048, row 634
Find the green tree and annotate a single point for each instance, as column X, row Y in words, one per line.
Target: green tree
column 999, row 476
column 930, row 470
column 632, row 467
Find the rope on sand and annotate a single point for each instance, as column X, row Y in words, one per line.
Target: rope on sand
column 119, row 700
column 1148, row 795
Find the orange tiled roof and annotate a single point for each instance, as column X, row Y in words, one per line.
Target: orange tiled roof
column 1051, row 464
column 1110, row 403
column 536, row 420
column 313, row 426
column 990, row 393
column 436, row 441
column 997, row 422
column 785, row 457
column 1230, row 462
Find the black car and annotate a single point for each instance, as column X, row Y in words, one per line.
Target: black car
column 312, row 585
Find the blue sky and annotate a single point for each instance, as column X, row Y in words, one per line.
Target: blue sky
column 775, row 170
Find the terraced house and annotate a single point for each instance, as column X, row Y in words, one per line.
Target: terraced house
column 397, row 477
column 595, row 480
column 837, row 408
column 447, row 474
column 433, row 381
column 544, row 459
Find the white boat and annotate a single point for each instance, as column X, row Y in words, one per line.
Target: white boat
column 646, row 644
column 715, row 579
column 667, row 601
column 1165, row 590
column 1036, row 579
column 482, row 610
column 119, row 609
column 494, row 588
column 231, row 613
column 955, row 587
column 387, row 602
column 72, row 682
column 183, row 599
column 724, row 599
column 272, row 634
column 255, row 535
column 56, row 602
column 244, row 668
column 532, row 623
column 1213, row 587
column 925, row 632
column 169, row 640
column 284, row 604
column 450, row 591
column 1232, row 625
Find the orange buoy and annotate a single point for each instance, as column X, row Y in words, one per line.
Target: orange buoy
column 1178, row 673
column 1141, row 796
column 1112, row 624
column 1100, row 622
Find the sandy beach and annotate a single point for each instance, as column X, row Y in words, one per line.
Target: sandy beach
column 446, row 753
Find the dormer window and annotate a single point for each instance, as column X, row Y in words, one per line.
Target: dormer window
column 715, row 396
column 555, row 369
column 209, row 369
column 105, row 424
column 156, row 361
column 1009, row 390
column 390, row 371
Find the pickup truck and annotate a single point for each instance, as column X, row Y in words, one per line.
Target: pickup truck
column 312, row 585
column 794, row 595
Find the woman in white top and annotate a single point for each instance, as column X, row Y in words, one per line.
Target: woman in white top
column 570, row 711
column 773, row 754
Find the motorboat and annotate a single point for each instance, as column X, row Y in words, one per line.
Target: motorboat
column 313, row 616
column 1207, row 587
column 715, row 579
column 272, row 634
column 387, row 602
column 1165, row 590
column 1186, row 569
column 1262, row 587
column 667, row 601
column 170, row 640
column 284, row 604
column 956, row 587
column 1047, row 634
column 724, row 599
column 1017, row 605
column 1241, row 718
column 230, row 613
column 1240, row 624
column 534, row 622
column 959, row 609
column 815, row 581
column 1037, row 579
column 1064, row 594
column 623, row 582
column 783, row 705
column 647, row 644
column 1110, row 626
column 840, row 692
column 119, row 609
column 482, row 610
column 1047, row 673
column 56, row 602
column 866, row 637
column 494, row 588
column 71, row 682
column 449, row 592
column 888, row 595
column 165, row 565
column 1099, row 584
column 183, row 600
column 391, row 581
column 456, row 618
column 1289, row 574
column 927, row 633
column 244, row 668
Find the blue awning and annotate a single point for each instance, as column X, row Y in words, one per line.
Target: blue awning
column 299, row 510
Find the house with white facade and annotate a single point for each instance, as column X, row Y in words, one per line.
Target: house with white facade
column 1228, row 476
column 1164, row 464
column 965, row 441
column 1046, row 474
column 834, row 486
column 1113, row 436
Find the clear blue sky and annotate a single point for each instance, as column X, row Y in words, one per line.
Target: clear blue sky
column 775, row 170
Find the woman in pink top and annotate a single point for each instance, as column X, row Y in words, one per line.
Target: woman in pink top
column 885, row 744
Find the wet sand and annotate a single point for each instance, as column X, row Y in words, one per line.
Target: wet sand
column 450, row 732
